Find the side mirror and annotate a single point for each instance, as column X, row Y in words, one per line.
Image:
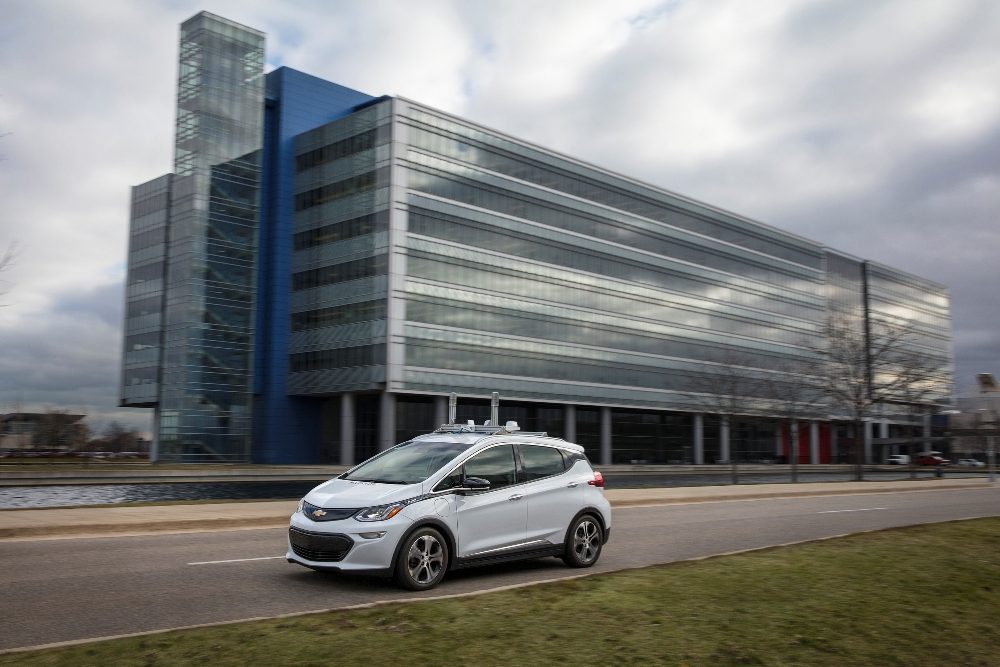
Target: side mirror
column 474, row 484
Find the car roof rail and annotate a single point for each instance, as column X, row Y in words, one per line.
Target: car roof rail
column 487, row 429
column 490, row 427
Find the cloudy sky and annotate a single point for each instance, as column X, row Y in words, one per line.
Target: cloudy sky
column 871, row 126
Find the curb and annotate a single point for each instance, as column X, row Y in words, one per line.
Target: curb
column 121, row 529
column 653, row 502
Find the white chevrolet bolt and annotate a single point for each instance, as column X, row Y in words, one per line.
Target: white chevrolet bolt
column 461, row 496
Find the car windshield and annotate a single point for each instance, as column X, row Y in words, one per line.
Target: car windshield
column 407, row 463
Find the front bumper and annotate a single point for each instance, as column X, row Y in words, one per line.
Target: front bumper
column 319, row 547
column 345, row 546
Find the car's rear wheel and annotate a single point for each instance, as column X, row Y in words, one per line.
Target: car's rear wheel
column 583, row 542
column 423, row 560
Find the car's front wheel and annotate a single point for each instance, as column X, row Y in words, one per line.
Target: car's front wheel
column 423, row 560
column 583, row 542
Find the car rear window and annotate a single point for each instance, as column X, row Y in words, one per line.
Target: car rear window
column 541, row 461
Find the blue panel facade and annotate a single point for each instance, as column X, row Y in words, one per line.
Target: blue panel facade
column 286, row 428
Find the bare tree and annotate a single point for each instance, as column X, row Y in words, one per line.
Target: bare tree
column 795, row 392
column 119, row 438
column 728, row 388
column 58, row 429
column 873, row 363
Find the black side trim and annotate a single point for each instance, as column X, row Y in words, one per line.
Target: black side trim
column 520, row 554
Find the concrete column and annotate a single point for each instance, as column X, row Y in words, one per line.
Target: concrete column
column 569, row 428
column 868, row 442
column 347, row 429
column 699, row 439
column 724, row 439
column 605, row 436
column 386, row 421
column 927, row 433
column 883, row 429
column 440, row 410
column 794, row 443
column 813, row 442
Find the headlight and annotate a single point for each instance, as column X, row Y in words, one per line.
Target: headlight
column 302, row 502
column 380, row 513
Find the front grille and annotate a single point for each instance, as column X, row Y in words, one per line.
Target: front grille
column 319, row 547
column 326, row 514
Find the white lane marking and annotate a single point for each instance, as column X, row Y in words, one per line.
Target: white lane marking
column 867, row 509
column 234, row 560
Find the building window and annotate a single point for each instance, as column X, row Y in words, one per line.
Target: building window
column 345, row 229
column 339, row 189
column 338, row 273
column 342, row 148
column 341, row 357
column 346, row 314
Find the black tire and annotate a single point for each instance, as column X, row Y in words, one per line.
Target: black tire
column 584, row 541
column 423, row 560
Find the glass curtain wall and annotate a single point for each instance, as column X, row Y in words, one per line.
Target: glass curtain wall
column 753, row 440
column 340, row 256
column 206, row 391
column 544, row 278
column 641, row 436
column 922, row 307
column 144, row 292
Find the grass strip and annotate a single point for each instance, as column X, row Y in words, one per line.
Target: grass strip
column 919, row 596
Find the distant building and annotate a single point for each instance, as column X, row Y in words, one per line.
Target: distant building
column 977, row 418
column 53, row 431
column 323, row 267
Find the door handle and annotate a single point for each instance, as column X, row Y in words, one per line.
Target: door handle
column 573, row 485
column 516, row 496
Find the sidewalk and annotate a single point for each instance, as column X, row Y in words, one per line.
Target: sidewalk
column 33, row 523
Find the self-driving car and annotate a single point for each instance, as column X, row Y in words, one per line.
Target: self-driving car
column 461, row 496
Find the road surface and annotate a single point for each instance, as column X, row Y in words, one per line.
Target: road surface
column 65, row 589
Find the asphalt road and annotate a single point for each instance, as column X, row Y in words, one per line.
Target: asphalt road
column 57, row 590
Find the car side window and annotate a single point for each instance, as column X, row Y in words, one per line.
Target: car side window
column 452, row 481
column 541, row 461
column 495, row 465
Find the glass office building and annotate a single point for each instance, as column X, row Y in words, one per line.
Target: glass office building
column 189, row 329
column 367, row 256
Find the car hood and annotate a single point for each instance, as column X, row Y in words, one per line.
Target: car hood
column 345, row 493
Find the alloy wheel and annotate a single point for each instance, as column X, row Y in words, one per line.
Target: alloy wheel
column 425, row 559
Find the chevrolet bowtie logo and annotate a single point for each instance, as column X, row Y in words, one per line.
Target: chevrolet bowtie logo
column 319, row 512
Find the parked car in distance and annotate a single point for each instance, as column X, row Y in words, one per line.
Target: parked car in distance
column 932, row 460
column 970, row 463
column 898, row 460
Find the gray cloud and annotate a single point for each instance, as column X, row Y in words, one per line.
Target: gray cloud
column 69, row 359
column 871, row 127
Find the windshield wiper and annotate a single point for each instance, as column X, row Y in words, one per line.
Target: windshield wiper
column 380, row 481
